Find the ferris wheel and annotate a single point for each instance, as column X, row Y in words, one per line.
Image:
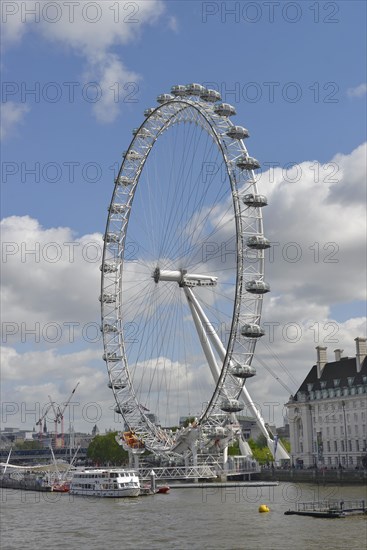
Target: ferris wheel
column 183, row 272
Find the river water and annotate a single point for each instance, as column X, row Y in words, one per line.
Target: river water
column 194, row 518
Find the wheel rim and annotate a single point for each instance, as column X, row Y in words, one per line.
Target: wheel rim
column 170, row 213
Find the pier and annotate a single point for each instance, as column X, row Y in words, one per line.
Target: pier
column 329, row 508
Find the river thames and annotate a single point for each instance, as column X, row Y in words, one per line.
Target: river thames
column 206, row 519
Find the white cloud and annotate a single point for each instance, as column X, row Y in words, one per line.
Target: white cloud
column 49, row 276
column 318, row 227
column 90, row 30
column 357, row 91
column 11, row 115
column 28, row 379
column 113, row 79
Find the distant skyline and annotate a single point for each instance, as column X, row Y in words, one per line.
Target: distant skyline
column 76, row 79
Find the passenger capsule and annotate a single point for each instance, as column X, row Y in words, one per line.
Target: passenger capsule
column 107, row 327
column 243, row 371
column 247, row 163
column 132, row 155
column 111, row 356
column 195, row 89
column 257, row 201
column 211, row 96
column 237, row 132
column 163, row 98
column 218, row 432
column 252, row 330
column 224, row 109
column 108, row 267
column 258, row 242
column 231, row 406
column 124, row 180
column 107, row 298
column 257, row 287
column 117, row 410
column 153, row 113
column 117, row 384
column 179, row 90
column 111, row 238
column 117, row 208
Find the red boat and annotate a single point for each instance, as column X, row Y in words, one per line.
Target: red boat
column 163, row 489
column 61, row 487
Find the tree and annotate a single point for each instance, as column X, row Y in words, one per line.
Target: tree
column 28, row 445
column 104, row 449
column 260, row 451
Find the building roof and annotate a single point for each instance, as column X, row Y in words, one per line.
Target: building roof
column 338, row 374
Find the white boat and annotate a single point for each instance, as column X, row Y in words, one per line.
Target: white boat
column 105, row 482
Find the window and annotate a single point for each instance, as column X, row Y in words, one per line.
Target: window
column 334, row 430
column 349, row 445
column 328, row 446
column 357, row 444
column 342, row 446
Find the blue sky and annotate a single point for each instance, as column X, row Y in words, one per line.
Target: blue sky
column 298, row 83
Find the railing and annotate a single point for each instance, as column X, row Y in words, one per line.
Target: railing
column 179, row 472
column 207, row 470
column 332, row 505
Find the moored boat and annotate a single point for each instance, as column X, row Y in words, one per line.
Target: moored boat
column 61, row 487
column 105, row 482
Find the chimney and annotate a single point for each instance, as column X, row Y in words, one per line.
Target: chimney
column 338, row 354
column 321, row 359
column 361, row 351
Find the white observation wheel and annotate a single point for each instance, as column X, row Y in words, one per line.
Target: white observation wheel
column 183, row 271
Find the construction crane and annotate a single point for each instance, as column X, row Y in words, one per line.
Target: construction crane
column 55, row 410
column 59, row 416
column 40, row 421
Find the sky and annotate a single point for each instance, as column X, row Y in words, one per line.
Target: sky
column 76, row 79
